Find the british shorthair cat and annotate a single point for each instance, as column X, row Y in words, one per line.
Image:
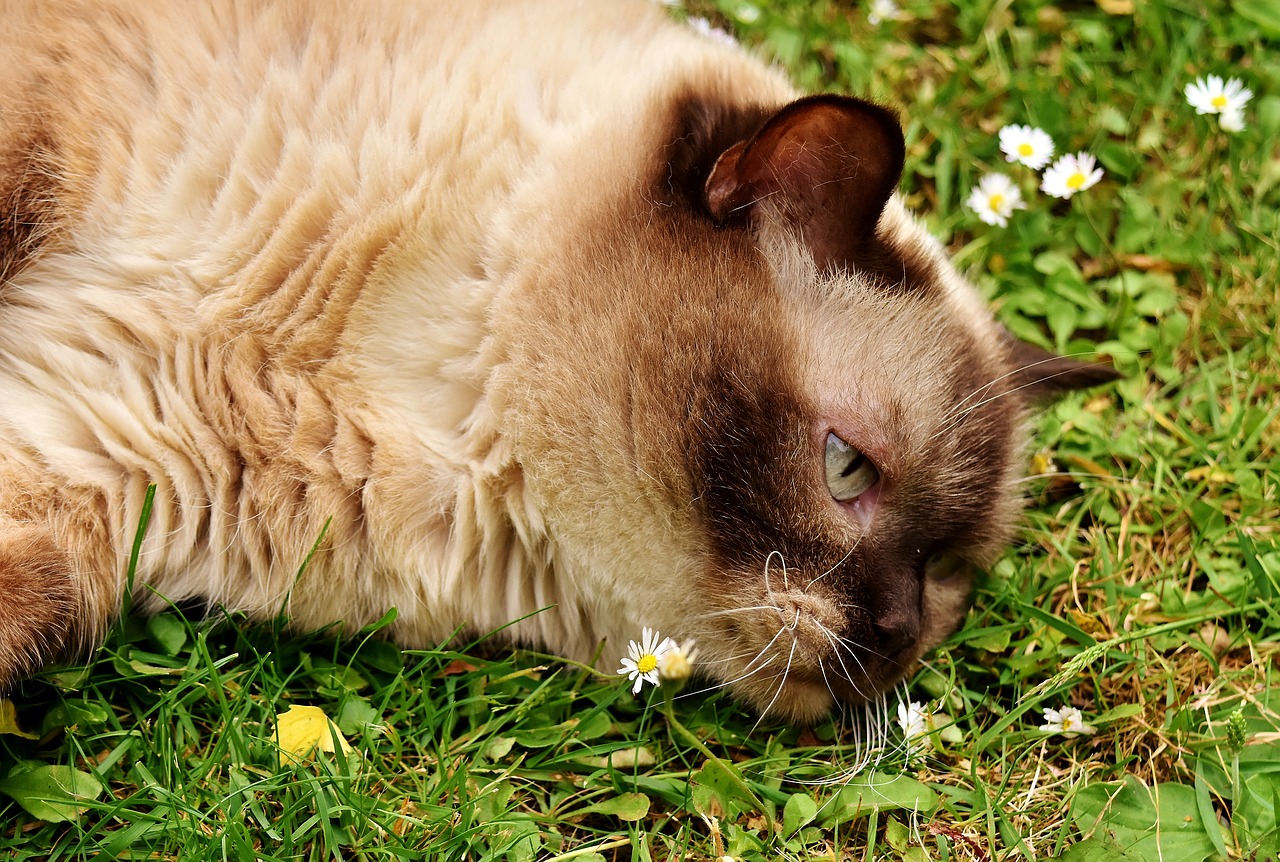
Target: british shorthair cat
column 559, row 312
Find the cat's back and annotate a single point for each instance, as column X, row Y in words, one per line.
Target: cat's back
column 255, row 252
column 176, row 114
column 228, row 141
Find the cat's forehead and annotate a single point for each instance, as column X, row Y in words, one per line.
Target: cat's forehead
column 906, row 336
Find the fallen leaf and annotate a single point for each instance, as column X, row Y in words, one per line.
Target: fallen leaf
column 303, row 729
column 9, row 721
column 1116, row 7
column 625, row 758
column 627, row 806
column 1215, row 475
column 456, row 667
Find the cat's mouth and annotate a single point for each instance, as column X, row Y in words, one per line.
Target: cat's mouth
column 793, row 656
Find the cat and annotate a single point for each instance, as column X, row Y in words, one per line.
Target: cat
column 556, row 313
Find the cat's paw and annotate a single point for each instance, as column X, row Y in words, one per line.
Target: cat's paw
column 38, row 605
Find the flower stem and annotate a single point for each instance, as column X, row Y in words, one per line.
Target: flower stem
column 668, row 709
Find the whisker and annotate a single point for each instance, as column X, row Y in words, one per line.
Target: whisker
column 1013, row 372
column 720, row 685
column 731, row 611
column 749, row 672
column 961, row 411
column 850, row 647
column 782, row 683
column 725, row 660
column 768, row 588
column 835, row 647
column 852, row 548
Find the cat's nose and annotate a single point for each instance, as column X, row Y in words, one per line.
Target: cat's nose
column 898, row 631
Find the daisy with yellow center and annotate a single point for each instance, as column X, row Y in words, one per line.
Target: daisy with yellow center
column 676, row 663
column 994, row 199
column 916, row 722
column 883, row 10
column 1224, row 98
column 1068, row 721
column 1026, row 144
column 1070, row 174
column 643, row 658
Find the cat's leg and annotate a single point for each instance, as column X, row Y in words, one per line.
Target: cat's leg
column 38, row 609
column 56, row 583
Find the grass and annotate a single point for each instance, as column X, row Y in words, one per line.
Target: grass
column 1144, row 590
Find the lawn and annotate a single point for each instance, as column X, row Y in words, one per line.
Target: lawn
column 1144, row 590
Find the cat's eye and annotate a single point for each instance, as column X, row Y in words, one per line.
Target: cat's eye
column 850, row 473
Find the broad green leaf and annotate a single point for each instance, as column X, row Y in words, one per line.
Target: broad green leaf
column 799, row 811
column 673, row 791
column 715, row 792
column 53, row 793
column 498, row 747
column 518, row 839
column 594, row 726
column 139, row 663
column 1254, row 813
column 382, row 655
column 877, row 791
column 1098, row 849
column 355, row 714
column 1266, row 847
column 492, row 802
column 168, row 632
column 68, row 679
column 68, row 713
column 1158, row 822
column 627, row 806
column 896, row 834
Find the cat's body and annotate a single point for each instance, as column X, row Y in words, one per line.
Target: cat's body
column 460, row 281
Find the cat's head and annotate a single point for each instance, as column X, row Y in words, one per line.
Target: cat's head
column 758, row 407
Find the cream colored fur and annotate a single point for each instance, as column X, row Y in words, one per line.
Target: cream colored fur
column 291, row 295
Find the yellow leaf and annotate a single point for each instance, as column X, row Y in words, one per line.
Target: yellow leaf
column 9, row 721
column 1042, row 464
column 303, row 729
column 1215, row 475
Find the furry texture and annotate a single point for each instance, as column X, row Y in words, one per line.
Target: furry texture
column 427, row 270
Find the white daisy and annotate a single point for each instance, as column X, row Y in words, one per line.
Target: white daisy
column 1026, row 144
column 641, row 664
column 1070, row 174
column 995, row 198
column 915, row 721
column 676, row 661
column 1231, row 120
column 883, row 10
column 1216, row 97
column 1068, row 721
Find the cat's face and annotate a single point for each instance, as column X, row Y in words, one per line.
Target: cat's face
column 791, row 429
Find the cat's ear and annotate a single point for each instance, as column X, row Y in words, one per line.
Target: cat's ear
column 1042, row 375
column 828, row 163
